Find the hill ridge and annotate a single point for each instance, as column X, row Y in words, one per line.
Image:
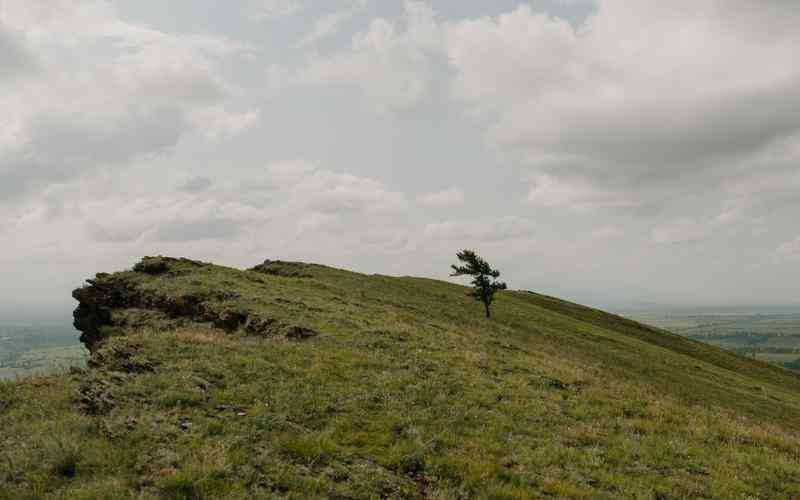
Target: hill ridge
column 294, row 380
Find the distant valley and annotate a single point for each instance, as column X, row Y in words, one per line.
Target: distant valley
column 31, row 348
column 772, row 335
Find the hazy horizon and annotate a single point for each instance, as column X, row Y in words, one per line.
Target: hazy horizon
column 58, row 314
column 606, row 152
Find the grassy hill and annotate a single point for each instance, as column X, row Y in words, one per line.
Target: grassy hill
column 301, row 381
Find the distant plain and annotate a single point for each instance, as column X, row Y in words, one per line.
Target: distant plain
column 769, row 335
column 31, row 348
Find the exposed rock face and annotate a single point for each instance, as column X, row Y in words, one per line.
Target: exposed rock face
column 161, row 265
column 96, row 303
column 299, row 333
column 109, row 303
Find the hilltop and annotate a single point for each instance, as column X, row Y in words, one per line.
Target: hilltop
column 294, row 380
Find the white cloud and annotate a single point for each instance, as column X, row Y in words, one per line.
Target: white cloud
column 643, row 92
column 80, row 112
column 650, row 123
column 449, row 198
column 611, row 113
column 330, row 24
column 216, row 122
column 331, row 192
column 289, row 173
column 285, row 209
column 390, row 64
column 578, row 194
column 168, row 217
column 284, row 203
column 499, row 61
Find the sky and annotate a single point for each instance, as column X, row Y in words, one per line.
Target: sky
column 610, row 152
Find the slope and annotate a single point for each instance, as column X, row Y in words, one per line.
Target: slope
column 302, row 381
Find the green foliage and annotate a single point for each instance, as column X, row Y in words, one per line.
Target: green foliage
column 412, row 464
column 152, row 265
column 484, row 278
column 195, row 485
column 179, row 399
column 404, row 394
column 310, row 449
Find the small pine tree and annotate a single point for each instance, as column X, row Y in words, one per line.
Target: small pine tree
column 484, row 277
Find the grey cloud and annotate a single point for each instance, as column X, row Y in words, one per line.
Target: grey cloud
column 769, row 190
column 651, row 152
column 61, row 147
column 330, row 24
column 111, row 234
column 650, row 137
column 680, row 231
column 15, row 59
column 197, row 185
column 105, row 138
column 640, row 95
column 97, row 110
column 790, row 249
column 211, row 229
column 391, row 63
column 269, row 10
column 182, row 77
column 481, row 231
column 767, row 18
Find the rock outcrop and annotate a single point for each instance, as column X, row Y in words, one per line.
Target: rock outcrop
column 111, row 303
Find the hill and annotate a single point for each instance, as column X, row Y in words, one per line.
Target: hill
column 297, row 380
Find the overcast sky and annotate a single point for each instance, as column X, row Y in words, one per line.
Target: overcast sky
column 608, row 151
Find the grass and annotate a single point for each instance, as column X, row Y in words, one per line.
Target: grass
column 408, row 392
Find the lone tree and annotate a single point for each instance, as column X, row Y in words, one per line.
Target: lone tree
column 484, row 277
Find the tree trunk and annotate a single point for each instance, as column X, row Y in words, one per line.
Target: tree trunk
column 488, row 314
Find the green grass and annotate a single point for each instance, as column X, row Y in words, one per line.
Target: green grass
column 408, row 392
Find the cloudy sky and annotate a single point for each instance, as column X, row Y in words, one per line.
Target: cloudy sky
column 607, row 151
